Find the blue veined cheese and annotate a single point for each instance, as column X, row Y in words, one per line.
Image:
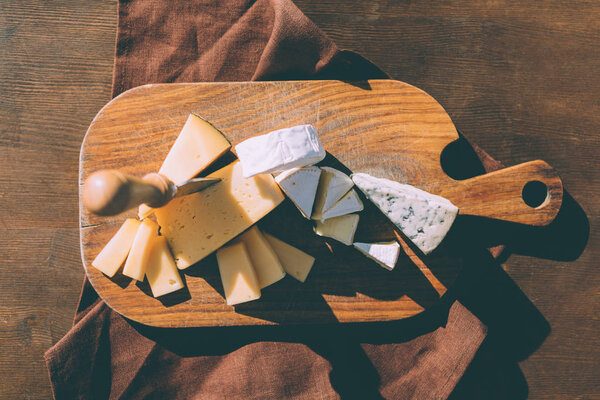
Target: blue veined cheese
column 423, row 217
column 279, row 150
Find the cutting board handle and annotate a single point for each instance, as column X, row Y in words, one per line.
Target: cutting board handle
column 529, row 193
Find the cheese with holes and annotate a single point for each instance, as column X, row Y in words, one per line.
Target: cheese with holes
column 115, row 252
column 198, row 224
column 266, row 264
column 300, row 186
column 279, row 150
column 295, row 262
column 333, row 185
column 383, row 253
column 348, row 204
column 198, row 145
column 137, row 260
column 340, row 228
column 162, row 273
column 237, row 274
column 423, row 217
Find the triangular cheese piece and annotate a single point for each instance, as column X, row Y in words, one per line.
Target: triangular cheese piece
column 295, row 262
column 348, row 204
column 423, row 217
column 266, row 264
column 300, row 185
column 384, row 253
column 162, row 272
column 340, row 228
column 333, row 185
column 116, row 250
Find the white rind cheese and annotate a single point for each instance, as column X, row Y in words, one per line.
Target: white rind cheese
column 341, row 228
column 423, row 217
column 333, row 185
column 348, row 204
column 384, row 253
column 279, row 150
column 300, row 185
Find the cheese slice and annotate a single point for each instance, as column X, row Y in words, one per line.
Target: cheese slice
column 198, row 145
column 137, row 260
column 266, row 264
column 161, row 272
column 333, row 185
column 423, row 217
column 384, row 253
column 237, row 274
column 295, row 262
column 198, row 224
column 111, row 257
column 340, row 228
column 279, row 150
column 348, row 204
column 300, row 185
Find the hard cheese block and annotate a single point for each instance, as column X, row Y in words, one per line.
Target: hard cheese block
column 300, row 185
column 266, row 264
column 137, row 260
column 340, row 228
column 198, row 224
column 295, row 262
column 333, row 185
column 115, row 252
column 348, row 204
column 384, row 253
column 161, row 272
column 423, row 217
column 279, row 150
column 237, row 274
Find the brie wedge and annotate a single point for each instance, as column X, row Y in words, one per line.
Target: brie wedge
column 300, row 185
column 333, row 185
column 348, row 204
column 423, row 217
column 340, row 228
column 279, row 150
column 385, row 253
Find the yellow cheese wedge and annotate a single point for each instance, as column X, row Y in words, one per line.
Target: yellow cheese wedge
column 295, row 262
column 266, row 264
column 137, row 260
column 198, row 224
column 114, row 253
column 237, row 274
column 340, row 228
column 161, row 272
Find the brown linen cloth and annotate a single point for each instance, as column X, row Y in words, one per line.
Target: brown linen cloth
column 106, row 356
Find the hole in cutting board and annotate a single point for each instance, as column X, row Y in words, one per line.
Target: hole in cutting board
column 535, row 193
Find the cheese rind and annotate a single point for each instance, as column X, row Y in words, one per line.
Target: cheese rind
column 111, row 257
column 348, row 204
column 340, row 228
column 383, row 253
column 198, row 224
column 267, row 267
column 237, row 274
column 295, row 262
column 423, row 217
column 279, row 150
column 162, row 272
column 300, row 186
column 137, row 260
column 333, row 185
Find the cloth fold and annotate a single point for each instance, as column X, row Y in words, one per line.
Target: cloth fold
column 106, row 356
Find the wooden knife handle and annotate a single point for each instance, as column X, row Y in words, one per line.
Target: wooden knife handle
column 109, row 192
column 505, row 194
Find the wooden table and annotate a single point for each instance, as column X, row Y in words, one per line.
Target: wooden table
column 521, row 80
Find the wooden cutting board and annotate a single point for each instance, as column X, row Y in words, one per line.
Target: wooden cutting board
column 382, row 127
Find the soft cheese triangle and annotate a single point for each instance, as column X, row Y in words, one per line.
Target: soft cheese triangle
column 300, row 185
column 383, row 253
column 279, row 150
column 423, row 217
column 348, row 204
column 340, row 228
column 333, row 185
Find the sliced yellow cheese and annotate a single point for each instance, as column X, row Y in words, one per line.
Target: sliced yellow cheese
column 340, row 228
column 162, row 272
column 266, row 264
column 114, row 253
column 295, row 262
column 198, row 224
column 137, row 260
column 237, row 274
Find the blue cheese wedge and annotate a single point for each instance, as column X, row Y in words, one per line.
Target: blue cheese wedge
column 298, row 146
column 340, row 228
column 333, row 185
column 423, row 217
column 300, row 186
column 348, row 204
column 383, row 253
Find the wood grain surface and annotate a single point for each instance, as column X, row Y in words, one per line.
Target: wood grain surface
column 520, row 78
column 386, row 128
